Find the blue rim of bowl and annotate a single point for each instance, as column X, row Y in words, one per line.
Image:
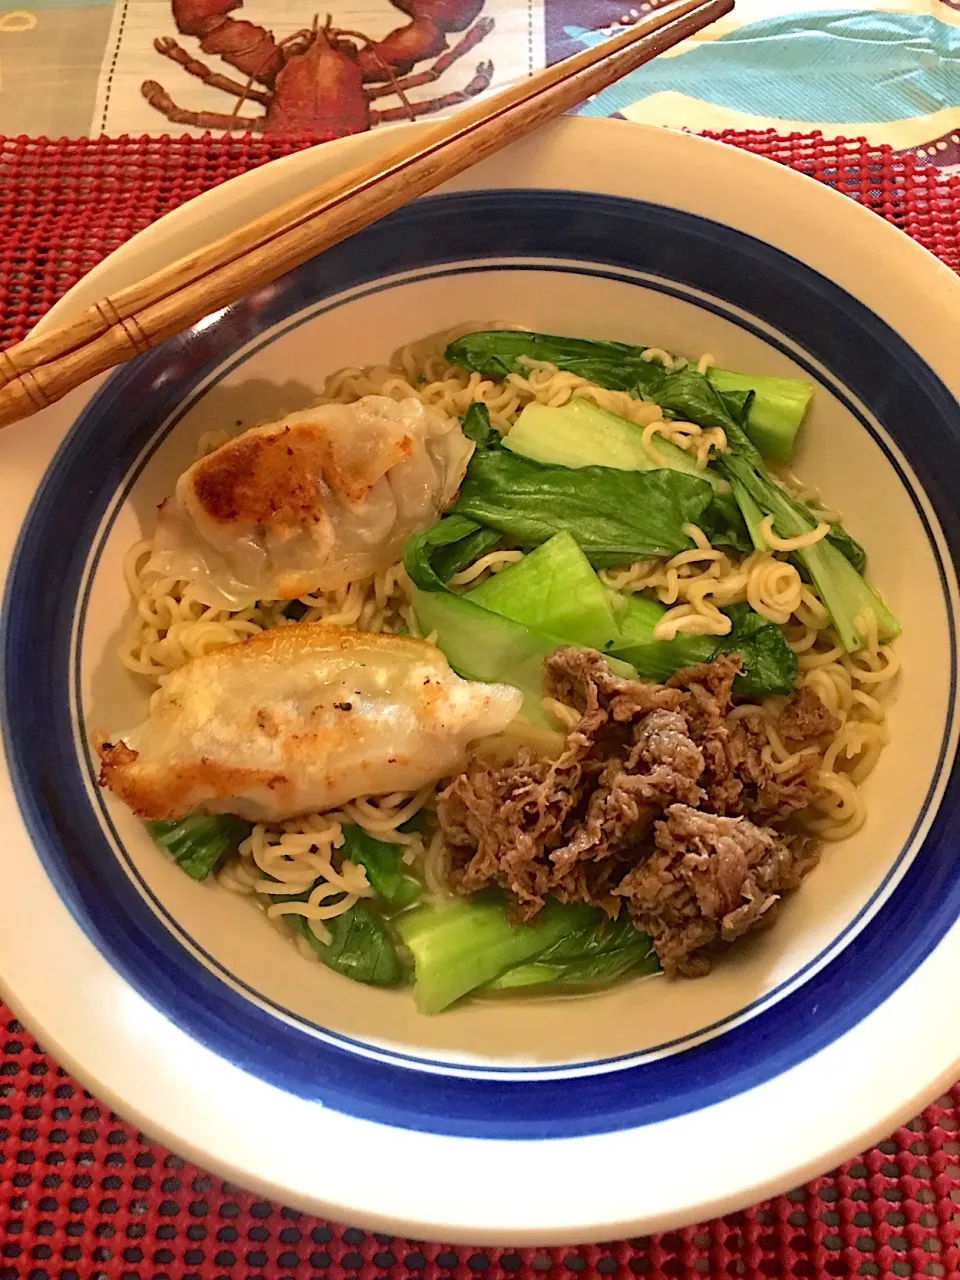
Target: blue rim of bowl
column 679, row 253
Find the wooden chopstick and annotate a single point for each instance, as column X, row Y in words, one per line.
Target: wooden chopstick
column 38, row 371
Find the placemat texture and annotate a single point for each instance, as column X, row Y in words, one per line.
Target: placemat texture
column 83, row 1196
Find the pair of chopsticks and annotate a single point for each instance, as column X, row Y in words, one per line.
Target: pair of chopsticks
column 40, row 370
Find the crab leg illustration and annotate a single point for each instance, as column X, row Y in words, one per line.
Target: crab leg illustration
column 321, row 80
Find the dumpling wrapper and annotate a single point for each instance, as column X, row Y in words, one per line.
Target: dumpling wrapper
column 298, row 719
column 309, row 503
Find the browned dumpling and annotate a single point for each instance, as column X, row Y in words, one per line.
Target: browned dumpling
column 321, row 498
column 298, row 719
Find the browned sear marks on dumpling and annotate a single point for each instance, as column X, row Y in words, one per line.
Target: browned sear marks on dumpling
column 278, row 479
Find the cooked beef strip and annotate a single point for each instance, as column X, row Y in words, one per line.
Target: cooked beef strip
column 583, row 828
column 805, row 718
column 499, row 823
column 709, row 695
column 710, row 879
column 737, row 781
column 764, row 796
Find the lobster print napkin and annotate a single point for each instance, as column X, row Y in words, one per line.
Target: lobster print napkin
column 306, row 76
column 886, row 69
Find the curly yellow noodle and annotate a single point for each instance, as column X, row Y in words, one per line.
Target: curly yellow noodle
column 492, row 562
column 659, row 356
column 702, row 443
column 792, row 544
column 290, row 857
column 702, row 581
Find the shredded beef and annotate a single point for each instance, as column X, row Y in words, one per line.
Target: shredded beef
column 736, row 779
column 765, row 797
column 709, row 695
column 582, row 679
column 805, row 718
column 499, row 824
column 709, row 879
column 590, row 827
column 662, row 765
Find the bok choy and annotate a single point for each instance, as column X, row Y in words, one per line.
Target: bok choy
column 362, row 945
column 834, row 564
column 596, row 953
column 463, row 946
column 198, row 841
column 581, row 434
column 555, row 589
column 844, row 593
column 775, row 407
column 387, row 875
column 482, row 645
column 616, row 516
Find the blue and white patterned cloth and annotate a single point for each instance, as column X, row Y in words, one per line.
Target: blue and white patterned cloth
column 886, row 69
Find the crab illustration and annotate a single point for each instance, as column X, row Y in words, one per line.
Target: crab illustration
column 321, row 80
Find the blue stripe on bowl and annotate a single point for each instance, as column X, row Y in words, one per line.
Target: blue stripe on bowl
column 683, row 253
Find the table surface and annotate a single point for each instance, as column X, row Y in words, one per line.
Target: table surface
column 887, row 70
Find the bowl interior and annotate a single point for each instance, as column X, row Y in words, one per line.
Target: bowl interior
column 271, row 355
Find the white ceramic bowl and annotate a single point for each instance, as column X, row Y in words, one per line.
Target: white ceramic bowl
column 662, row 1102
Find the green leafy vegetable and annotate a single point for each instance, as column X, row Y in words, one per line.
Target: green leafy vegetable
column 463, row 553
column 198, row 841
column 834, row 565
column 636, row 617
column 848, row 547
column 419, row 822
column 592, row 953
column 482, row 645
column 779, row 407
column 753, row 518
column 386, row 873
column 771, row 409
column 806, row 518
column 361, row 946
column 553, row 589
column 769, row 664
column 690, row 396
column 476, row 426
column 460, row 946
column 503, row 629
column 432, row 556
column 581, row 434
column 841, row 588
column 593, row 971
column 497, row 352
column 836, row 579
column 723, row 523
column 616, row 516
column 739, row 403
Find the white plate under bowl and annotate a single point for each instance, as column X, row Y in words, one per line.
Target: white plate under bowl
column 178, row 1004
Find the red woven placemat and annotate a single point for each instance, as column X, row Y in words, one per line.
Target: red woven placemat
column 83, row 1196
